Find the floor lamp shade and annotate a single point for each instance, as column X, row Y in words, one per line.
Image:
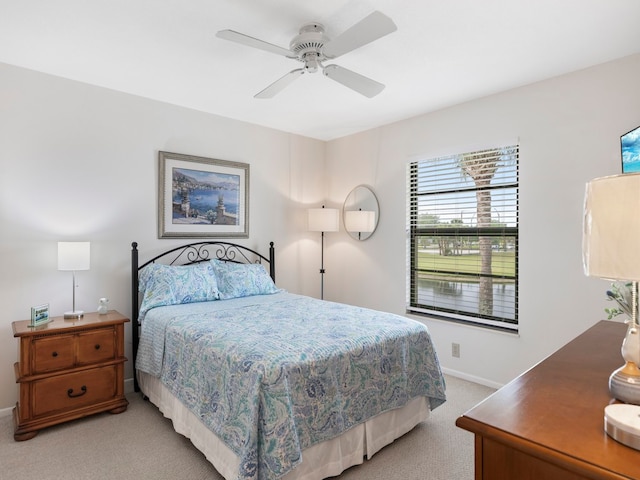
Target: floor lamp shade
column 324, row 219
column 610, row 243
column 74, row 256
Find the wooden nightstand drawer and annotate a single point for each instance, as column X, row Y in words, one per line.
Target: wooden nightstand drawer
column 65, row 351
column 53, row 353
column 71, row 391
column 95, row 346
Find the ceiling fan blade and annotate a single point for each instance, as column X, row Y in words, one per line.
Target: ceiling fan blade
column 370, row 28
column 355, row 81
column 280, row 84
column 243, row 39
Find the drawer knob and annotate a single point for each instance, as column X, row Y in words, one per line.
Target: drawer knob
column 83, row 390
column 97, row 347
column 54, row 354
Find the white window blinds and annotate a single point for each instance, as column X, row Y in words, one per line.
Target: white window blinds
column 463, row 237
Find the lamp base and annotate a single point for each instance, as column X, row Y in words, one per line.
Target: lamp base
column 622, row 423
column 624, row 383
column 73, row 315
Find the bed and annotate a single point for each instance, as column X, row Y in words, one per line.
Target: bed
column 268, row 384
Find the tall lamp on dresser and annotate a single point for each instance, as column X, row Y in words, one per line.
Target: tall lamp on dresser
column 611, row 250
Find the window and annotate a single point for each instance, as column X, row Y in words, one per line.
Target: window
column 463, row 237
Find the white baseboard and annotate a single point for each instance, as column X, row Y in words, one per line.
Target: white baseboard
column 472, row 378
column 5, row 412
column 128, row 385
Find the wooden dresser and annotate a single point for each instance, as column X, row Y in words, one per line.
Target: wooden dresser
column 549, row 422
column 68, row 369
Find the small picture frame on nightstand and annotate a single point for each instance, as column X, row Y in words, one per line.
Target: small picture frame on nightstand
column 40, row 315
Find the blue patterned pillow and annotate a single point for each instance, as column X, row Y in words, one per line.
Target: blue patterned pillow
column 242, row 279
column 171, row 285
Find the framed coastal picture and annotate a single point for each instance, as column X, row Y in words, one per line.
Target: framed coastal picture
column 630, row 149
column 202, row 197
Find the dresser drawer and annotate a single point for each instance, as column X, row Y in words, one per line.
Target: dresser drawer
column 53, row 353
column 74, row 390
column 96, row 346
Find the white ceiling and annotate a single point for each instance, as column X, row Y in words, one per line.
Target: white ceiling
column 444, row 52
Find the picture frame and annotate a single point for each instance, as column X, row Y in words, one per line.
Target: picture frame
column 202, row 197
column 630, row 151
column 40, row 315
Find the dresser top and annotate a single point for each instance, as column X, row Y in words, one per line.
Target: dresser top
column 60, row 324
column 555, row 410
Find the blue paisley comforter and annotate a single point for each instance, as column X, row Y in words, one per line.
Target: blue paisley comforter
column 272, row 375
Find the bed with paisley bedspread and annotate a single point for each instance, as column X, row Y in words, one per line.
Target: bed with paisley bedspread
column 269, row 384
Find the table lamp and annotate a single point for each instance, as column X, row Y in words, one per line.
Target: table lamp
column 611, row 250
column 323, row 220
column 74, row 256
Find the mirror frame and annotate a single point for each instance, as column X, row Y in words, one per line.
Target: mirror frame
column 361, row 198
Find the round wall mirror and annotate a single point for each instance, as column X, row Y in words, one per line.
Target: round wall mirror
column 360, row 213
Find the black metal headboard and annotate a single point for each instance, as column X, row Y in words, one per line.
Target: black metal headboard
column 187, row 255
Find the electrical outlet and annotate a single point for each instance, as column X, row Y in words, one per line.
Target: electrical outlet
column 455, row 350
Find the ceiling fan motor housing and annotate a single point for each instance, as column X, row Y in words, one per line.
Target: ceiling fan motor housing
column 307, row 45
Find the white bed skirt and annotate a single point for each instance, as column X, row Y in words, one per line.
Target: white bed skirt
column 320, row 461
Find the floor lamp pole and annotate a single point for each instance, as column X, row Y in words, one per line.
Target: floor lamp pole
column 321, row 265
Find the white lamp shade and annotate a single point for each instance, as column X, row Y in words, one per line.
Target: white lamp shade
column 363, row 221
column 611, row 230
column 324, row 219
column 74, row 255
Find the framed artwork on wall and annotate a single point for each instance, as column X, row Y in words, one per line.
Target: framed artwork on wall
column 202, row 197
column 630, row 149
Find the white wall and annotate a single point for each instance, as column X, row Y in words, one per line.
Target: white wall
column 569, row 132
column 80, row 163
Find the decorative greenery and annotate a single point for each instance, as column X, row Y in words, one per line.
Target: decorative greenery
column 621, row 293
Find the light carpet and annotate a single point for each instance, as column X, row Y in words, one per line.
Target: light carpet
column 141, row 444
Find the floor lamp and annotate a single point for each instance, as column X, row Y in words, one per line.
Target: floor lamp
column 323, row 220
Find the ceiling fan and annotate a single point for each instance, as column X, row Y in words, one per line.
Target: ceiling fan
column 312, row 47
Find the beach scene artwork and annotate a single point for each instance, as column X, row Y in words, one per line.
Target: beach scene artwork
column 205, row 198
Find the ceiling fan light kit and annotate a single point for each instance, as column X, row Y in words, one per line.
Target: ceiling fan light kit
column 312, row 47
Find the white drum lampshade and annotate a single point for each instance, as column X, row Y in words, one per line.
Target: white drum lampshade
column 611, row 240
column 74, row 256
column 324, row 219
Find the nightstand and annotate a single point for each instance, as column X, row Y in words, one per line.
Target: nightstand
column 68, row 369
